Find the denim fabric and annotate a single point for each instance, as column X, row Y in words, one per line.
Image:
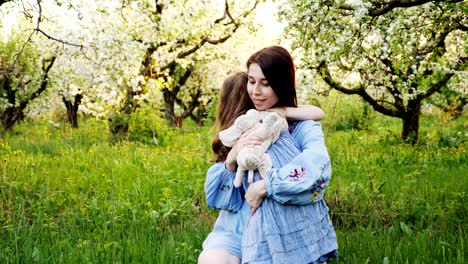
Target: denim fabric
column 292, row 225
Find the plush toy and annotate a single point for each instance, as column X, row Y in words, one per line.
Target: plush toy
column 269, row 126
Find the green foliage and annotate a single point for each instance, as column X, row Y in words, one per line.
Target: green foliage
column 147, row 126
column 119, row 126
column 346, row 113
column 68, row 195
column 450, row 100
column 19, row 71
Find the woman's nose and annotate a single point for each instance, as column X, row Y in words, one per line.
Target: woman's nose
column 257, row 89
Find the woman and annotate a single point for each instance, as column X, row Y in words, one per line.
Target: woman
column 271, row 83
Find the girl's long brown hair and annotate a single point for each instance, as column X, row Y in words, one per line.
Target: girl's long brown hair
column 233, row 102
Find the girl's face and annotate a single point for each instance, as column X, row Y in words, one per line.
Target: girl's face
column 260, row 91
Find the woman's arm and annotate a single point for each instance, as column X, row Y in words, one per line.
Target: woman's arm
column 220, row 191
column 303, row 112
column 304, row 179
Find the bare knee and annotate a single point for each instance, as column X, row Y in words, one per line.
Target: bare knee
column 217, row 256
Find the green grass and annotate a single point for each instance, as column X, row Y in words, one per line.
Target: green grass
column 75, row 196
column 396, row 203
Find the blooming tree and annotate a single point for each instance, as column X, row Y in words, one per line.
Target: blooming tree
column 400, row 52
column 23, row 78
column 120, row 54
column 24, row 74
column 184, row 30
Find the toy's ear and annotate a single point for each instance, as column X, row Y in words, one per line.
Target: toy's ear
column 253, row 113
column 244, row 122
column 279, row 125
column 229, row 136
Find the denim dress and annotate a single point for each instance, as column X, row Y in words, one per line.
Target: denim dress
column 292, row 225
column 285, row 232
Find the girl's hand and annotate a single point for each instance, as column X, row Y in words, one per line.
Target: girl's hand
column 280, row 111
column 247, row 139
column 255, row 195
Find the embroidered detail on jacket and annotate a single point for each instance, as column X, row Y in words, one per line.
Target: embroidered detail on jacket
column 225, row 187
column 318, row 187
column 325, row 166
column 296, row 175
column 321, row 183
column 292, row 126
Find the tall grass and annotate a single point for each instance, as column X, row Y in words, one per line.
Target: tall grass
column 396, row 203
column 74, row 195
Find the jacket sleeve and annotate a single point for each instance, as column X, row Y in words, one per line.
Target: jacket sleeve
column 304, row 179
column 220, row 191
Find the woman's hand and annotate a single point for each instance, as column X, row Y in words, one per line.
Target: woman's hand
column 245, row 140
column 255, row 195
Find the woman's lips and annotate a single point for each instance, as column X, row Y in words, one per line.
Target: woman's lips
column 258, row 101
column 260, row 104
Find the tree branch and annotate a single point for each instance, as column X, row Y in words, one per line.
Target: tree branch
column 437, row 50
column 38, row 29
column 45, row 79
column 326, row 76
column 188, row 110
column 207, row 39
column 57, row 39
column 183, row 80
column 226, row 13
column 4, row 2
column 383, row 8
column 436, row 87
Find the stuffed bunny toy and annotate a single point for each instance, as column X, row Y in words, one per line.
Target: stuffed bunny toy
column 269, row 127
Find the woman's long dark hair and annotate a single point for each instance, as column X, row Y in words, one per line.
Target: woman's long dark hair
column 278, row 67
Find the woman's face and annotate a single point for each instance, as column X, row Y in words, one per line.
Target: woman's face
column 260, row 91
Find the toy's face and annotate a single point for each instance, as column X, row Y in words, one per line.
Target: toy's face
column 259, row 89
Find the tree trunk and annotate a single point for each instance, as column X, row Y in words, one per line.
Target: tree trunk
column 10, row 117
column 14, row 113
column 72, row 109
column 169, row 111
column 7, row 119
column 411, row 123
column 119, row 122
column 199, row 115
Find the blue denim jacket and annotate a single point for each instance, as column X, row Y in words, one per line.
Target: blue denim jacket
column 313, row 162
column 302, row 181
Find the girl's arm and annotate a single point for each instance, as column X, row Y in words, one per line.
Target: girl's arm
column 303, row 112
column 219, row 188
column 220, row 191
